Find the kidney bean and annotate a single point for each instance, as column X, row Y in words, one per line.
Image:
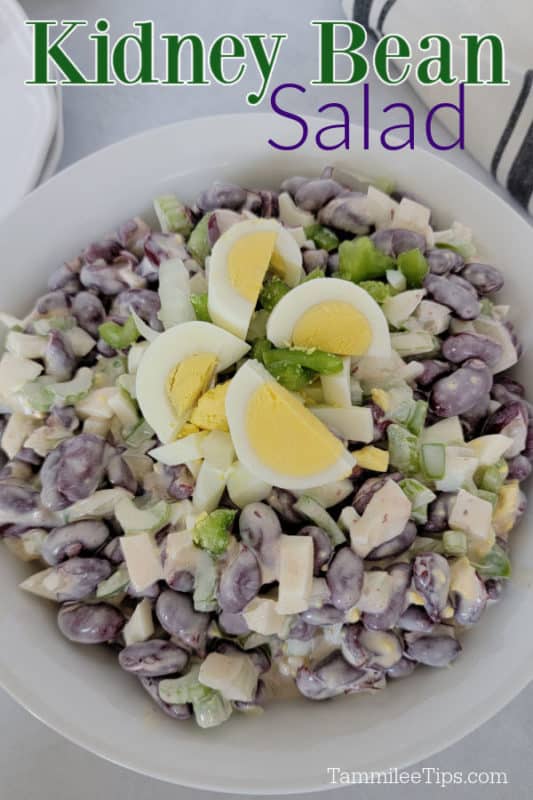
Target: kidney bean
column 240, row 581
column 222, row 220
column 73, row 470
column 233, row 624
column 393, row 241
column 469, row 607
column 345, row 578
column 153, row 658
column 402, row 669
column 21, row 504
column 381, row 423
column 431, row 576
column 260, row 530
column 510, row 420
column 182, row 483
column 301, row 630
column 415, row 619
column 433, row 369
column 113, row 551
column 120, row 474
column 59, row 358
column 384, row 648
column 269, row 203
column 89, row 312
column 16, row 471
column 291, row 185
column 222, row 195
column 159, row 247
column 368, row 489
column 131, row 235
column 513, row 387
column 177, row 616
column 63, row 417
column 453, row 292
column 433, row 651
column 322, row 546
column 102, row 277
column 441, row 261
column 439, row 511
column 52, row 303
column 401, row 577
column 181, row 581
column 399, row 544
column 315, row 194
column 71, row 540
column 484, row 278
column 107, row 249
column 351, row 648
column 333, row 263
column 323, row 615
column 494, row 587
column 176, row 711
column 152, row 592
column 77, row 578
column 315, row 259
column 331, row 676
column 144, row 302
column 90, row 624
column 283, row 502
column 65, row 279
column 462, row 390
column 29, row 456
column 519, row 468
column 347, row 212
column 258, row 702
column 463, row 346
column 252, row 203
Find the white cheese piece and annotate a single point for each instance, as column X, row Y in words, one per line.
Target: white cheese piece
column 18, row 429
column 244, row 487
column 80, row 341
column 142, row 560
column 26, row 345
column 385, row 517
column 99, row 427
column 217, row 449
column 140, row 625
column 100, row 504
column 330, row 494
column 194, row 466
column 15, row 372
column 459, row 468
column 181, row 451
column 489, row 449
column 336, row 388
column 178, row 512
column 291, row 215
column 472, row 515
column 381, row 207
column 96, row 404
column 414, row 217
column 376, row 593
column 447, row 431
column 181, row 554
column 209, row 488
column 354, row 424
column 262, row 617
column 347, row 518
column 433, row 317
column 123, row 408
column 235, row 676
column 464, row 579
column 135, row 353
column 400, row 307
column 295, row 574
column 497, row 331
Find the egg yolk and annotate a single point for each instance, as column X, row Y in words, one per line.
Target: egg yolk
column 334, row 326
column 248, row 262
column 210, row 411
column 189, row 380
column 286, row 436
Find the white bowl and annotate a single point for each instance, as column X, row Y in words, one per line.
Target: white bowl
column 80, row 691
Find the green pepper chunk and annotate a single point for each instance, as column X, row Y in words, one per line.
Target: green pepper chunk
column 324, row 238
column 316, row 273
column 212, row 533
column 119, row 336
column 316, row 360
column 198, row 243
column 272, row 292
column 378, row 290
column 414, row 266
column 360, row 260
column 199, row 303
column 260, row 347
column 293, row 377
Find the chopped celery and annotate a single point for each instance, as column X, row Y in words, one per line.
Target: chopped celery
column 71, row 392
column 496, row 564
column 490, row 497
column 396, row 279
column 173, row 216
column 316, row 360
column 205, row 584
column 419, row 496
column 115, row 584
column 324, row 238
column 414, row 266
column 378, row 290
column 187, row 688
column 211, row 709
column 37, row 394
column 433, row 460
column 455, row 543
column 292, row 376
column 403, row 449
column 140, row 434
column 108, row 370
column 417, row 418
column 491, row 479
column 316, row 513
column 213, row 532
column 360, row 260
column 199, row 303
column 198, row 243
column 272, row 292
column 315, row 273
column 119, row 336
column 134, row 519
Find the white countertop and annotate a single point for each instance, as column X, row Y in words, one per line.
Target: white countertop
column 34, row 762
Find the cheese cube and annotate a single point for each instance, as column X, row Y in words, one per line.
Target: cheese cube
column 262, row 617
column 142, row 560
column 295, row 574
column 235, row 676
column 472, row 515
column 140, row 625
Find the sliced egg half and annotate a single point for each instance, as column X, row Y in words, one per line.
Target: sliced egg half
column 238, row 264
column 333, row 315
column 277, row 438
column 177, row 368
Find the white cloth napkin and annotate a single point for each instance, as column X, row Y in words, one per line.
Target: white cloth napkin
column 499, row 119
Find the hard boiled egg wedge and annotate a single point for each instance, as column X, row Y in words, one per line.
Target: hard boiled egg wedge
column 238, row 264
column 333, row 315
column 177, row 368
column 276, row 438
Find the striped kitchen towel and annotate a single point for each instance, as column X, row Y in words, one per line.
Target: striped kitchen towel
column 499, row 119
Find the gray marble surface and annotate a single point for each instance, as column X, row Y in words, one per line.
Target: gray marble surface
column 34, row 762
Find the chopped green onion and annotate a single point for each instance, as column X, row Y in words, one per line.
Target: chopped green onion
column 173, row 216
column 414, row 266
column 419, row 496
column 212, row 532
column 293, row 377
column 360, row 260
column 417, row 418
column 324, row 238
column 198, row 243
column 496, row 564
column 403, row 449
column 199, row 303
column 316, row 513
column 378, row 290
column 119, row 336
column 272, row 292
column 316, row 273
column 318, row 360
column 455, row 543
column 433, row 460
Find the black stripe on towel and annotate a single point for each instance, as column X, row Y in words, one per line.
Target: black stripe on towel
column 361, row 11
column 513, row 119
column 382, row 17
column 520, row 179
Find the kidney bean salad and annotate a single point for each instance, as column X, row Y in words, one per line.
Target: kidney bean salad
column 270, row 441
